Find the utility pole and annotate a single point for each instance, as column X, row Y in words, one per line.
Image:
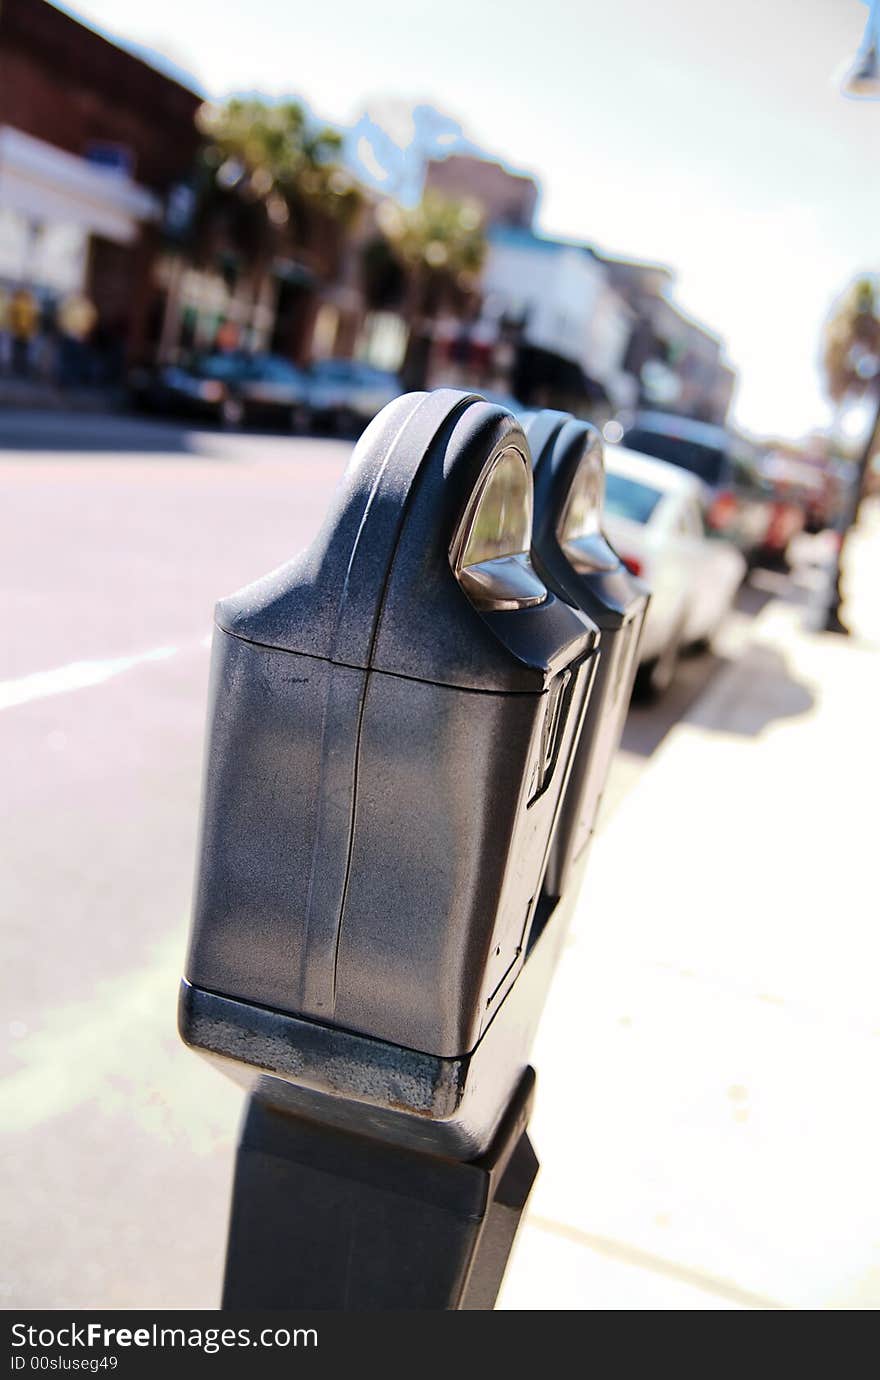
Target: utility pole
column 833, row 622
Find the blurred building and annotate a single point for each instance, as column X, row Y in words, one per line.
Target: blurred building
column 563, row 325
column 117, row 227
column 93, row 141
column 257, row 285
column 552, row 329
column 504, row 197
column 677, row 364
column 569, row 326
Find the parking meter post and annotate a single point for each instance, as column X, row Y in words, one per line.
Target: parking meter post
column 327, row 1219
column 392, row 728
column 500, row 1227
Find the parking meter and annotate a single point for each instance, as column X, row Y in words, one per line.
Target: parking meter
column 576, row 561
column 392, row 721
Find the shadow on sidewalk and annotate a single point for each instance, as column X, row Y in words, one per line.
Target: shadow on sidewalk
column 117, row 433
column 98, row 433
column 759, row 690
column 772, row 692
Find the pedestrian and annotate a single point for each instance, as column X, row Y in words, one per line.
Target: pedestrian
column 227, row 337
column 45, row 362
column 24, row 317
column 77, row 317
column 5, row 338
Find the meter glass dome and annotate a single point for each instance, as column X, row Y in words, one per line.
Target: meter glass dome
column 581, row 520
column 490, row 550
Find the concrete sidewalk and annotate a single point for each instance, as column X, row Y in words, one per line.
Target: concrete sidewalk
column 709, row 1062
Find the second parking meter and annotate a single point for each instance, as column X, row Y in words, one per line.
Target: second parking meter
column 392, row 722
column 574, row 558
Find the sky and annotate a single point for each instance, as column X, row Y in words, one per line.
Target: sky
column 708, row 136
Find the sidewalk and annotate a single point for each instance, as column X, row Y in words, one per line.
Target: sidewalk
column 708, row 1065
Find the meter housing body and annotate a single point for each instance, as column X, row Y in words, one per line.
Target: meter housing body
column 390, row 737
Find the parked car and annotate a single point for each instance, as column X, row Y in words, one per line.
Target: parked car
column 654, row 518
column 197, row 387
column 801, row 485
column 740, row 501
column 270, row 389
column 345, row 394
column 229, row 387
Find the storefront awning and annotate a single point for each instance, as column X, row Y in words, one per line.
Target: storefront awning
column 542, row 369
column 48, row 185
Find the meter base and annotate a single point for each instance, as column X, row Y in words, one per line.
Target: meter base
column 326, row 1219
column 449, row 1106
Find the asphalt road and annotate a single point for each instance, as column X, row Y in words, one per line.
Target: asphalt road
column 116, row 538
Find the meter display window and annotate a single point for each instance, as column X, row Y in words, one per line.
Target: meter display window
column 579, row 529
column 490, row 552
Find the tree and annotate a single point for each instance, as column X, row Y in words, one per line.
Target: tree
column 851, row 364
column 276, row 156
column 440, row 247
column 269, row 184
column 851, row 348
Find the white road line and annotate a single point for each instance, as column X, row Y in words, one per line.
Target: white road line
column 76, row 675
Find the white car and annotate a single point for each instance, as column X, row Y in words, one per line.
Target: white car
column 654, row 520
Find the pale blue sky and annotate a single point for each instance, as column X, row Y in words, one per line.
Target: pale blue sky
column 710, row 136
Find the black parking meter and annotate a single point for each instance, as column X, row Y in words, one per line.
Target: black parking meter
column 575, row 559
column 392, row 723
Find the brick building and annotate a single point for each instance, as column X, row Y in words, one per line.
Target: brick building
column 92, row 141
column 505, row 198
column 677, row 363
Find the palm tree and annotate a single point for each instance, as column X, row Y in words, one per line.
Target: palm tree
column 269, row 184
column 851, row 364
column 851, row 347
column 439, row 247
column 274, row 155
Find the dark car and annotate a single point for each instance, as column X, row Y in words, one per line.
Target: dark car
column 198, row 387
column 229, row 387
column 739, row 501
column 270, row 389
